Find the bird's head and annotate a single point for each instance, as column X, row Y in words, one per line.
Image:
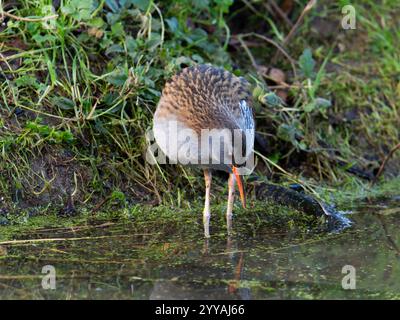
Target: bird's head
column 227, row 148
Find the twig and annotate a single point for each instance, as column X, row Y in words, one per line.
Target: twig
column 101, row 203
column 10, row 15
column 249, row 43
column 71, row 229
column 254, row 10
column 248, row 52
column 282, row 14
column 397, row 147
column 26, row 53
column 2, row 58
column 307, row 8
column 26, row 241
column 270, row 41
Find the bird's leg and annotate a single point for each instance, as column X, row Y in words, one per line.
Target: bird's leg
column 231, row 195
column 206, row 212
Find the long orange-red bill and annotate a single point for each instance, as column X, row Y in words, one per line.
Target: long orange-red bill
column 239, row 181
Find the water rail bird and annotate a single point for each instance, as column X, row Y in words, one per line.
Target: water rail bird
column 205, row 118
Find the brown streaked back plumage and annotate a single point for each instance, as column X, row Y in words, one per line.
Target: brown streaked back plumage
column 204, row 97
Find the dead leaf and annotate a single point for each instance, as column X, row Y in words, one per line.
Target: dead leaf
column 3, row 251
column 98, row 33
column 276, row 75
column 283, row 94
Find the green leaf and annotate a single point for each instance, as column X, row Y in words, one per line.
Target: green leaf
column 258, row 93
column 115, row 5
column 317, row 104
column 63, row 103
column 201, row 4
column 96, row 22
column 131, row 43
column 110, row 98
column 132, row 46
column 172, row 24
column 78, row 9
column 271, row 100
column 135, row 14
column 197, row 35
column 302, row 145
column 224, row 5
column 154, row 92
column 197, row 58
column 62, row 136
column 26, row 81
column 48, row 10
column 307, row 63
column 117, row 29
column 154, row 41
column 275, row 157
column 291, row 133
column 286, row 132
column 309, row 107
column 182, row 60
column 322, row 103
column 118, row 195
column 41, row 39
column 117, row 78
column 141, row 4
column 112, row 18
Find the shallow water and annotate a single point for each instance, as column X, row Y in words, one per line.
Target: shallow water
column 112, row 261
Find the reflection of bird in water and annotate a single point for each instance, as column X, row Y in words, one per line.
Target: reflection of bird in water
column 207, row 98
column 185, row 282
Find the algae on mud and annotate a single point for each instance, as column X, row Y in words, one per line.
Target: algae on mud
column 77, row 94
column 147, row 252
column 278, row 258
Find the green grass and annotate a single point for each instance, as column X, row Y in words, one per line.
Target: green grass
column 77, row 94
